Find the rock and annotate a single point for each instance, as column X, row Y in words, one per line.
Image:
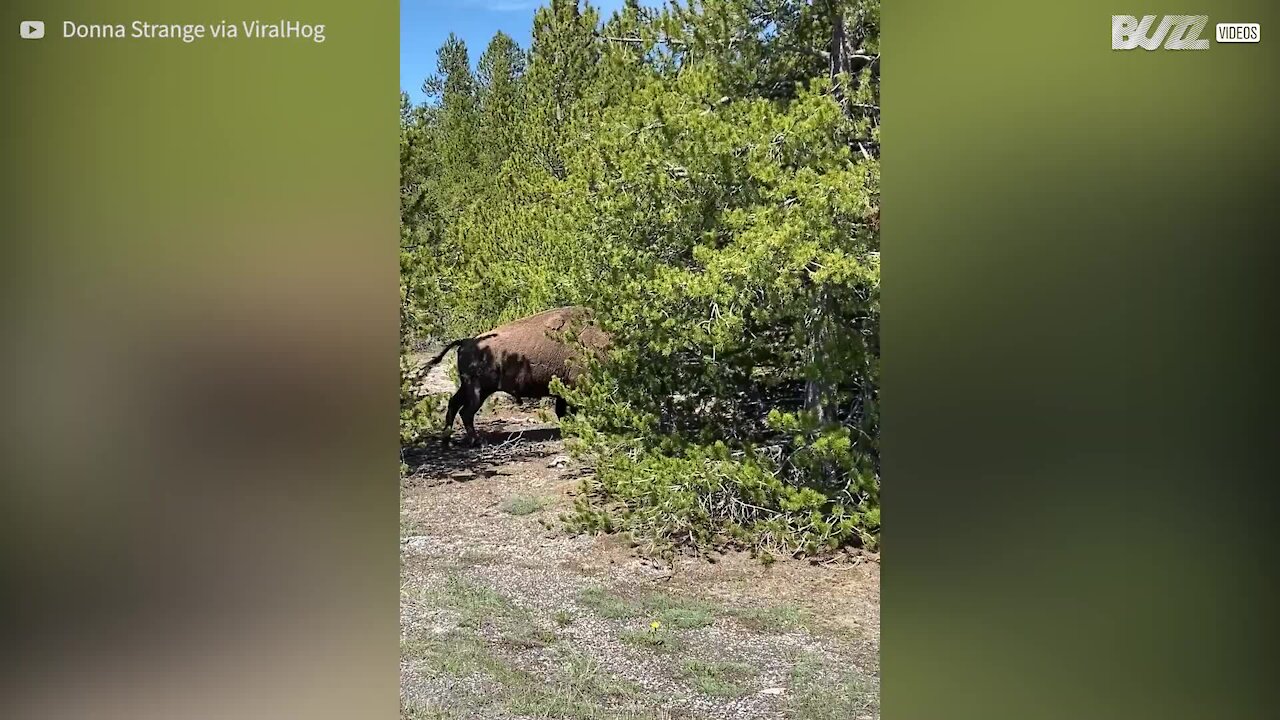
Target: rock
column 417, row 542
column 558, row 462
column 462, row 475
column 773, row 691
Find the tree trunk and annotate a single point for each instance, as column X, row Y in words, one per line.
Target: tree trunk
column 839, row 54
column 816, row 390
column 818, row 395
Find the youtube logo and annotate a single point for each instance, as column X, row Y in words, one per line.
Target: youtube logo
column 31, row 29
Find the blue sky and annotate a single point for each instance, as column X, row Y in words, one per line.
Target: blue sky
column 424, row 25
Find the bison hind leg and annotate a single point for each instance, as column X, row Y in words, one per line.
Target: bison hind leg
column 455, row 404
column 562, row 408
column 472, row 400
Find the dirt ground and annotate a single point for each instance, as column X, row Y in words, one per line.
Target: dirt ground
column 505, row 616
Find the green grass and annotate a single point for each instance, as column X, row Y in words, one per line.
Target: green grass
column 663, row 641
column 778, row 619
column 685, row 615
column 717, row 679
column 479, row 606
column 456, row 653
column 580, row 689
column 691, row 613
column 523, row 505
column 672, row 611
column 418, row 711
column 408, row 526
column 476, row 604
column 471, row 558
column 607, row 605
column 819, row 690
column 529, row 636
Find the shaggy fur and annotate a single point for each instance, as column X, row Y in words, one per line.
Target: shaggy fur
column 520, row 358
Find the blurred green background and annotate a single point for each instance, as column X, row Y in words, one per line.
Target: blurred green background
column 200, row 355
column 1076, row 343
column 199, row 352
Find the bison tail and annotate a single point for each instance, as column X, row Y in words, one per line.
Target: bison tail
column 436, row 360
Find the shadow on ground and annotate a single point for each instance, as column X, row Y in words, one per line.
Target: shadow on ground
column 433, row 462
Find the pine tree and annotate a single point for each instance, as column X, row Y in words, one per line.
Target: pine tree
column 563, row 60
column 707, row 178
column 457, row 142
column 500, row 73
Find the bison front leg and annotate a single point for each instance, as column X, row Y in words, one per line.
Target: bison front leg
column 562, row 408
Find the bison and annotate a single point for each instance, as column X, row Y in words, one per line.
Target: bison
column 520, row 358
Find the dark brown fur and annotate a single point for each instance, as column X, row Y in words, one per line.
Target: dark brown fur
column 520, row 358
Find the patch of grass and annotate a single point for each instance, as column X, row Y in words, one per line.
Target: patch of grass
column 691, row 613
column 607, row 604
column 523, row 505
column 562, row 618
column 581, row 690
column 408, row 526
column 663, row 641
column 686, row 615
column 418, row 711
column 587, row 674
column 529, row 636
column 717, row 679
column 821, row 691
column 451, row 653
column 670, row 610
column 554, row 702
column 476, row 604
column 778, row 619
column 480, row 606
column 471, row 558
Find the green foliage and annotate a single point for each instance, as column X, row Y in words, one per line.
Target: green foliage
column 500, row 76
column 419, row 410
column 706, row 177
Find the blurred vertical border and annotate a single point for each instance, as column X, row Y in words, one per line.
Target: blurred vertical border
column 199, row 361
column 199, row 342
column 1079, row 254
